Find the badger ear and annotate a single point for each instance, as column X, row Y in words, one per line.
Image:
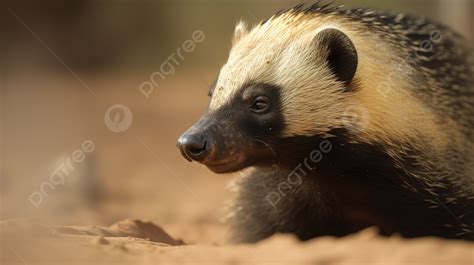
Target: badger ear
column 240, row 31
column 341, row 53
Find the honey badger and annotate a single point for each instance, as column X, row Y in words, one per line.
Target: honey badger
column 346, row 119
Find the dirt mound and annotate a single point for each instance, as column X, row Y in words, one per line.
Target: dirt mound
column 127, row 228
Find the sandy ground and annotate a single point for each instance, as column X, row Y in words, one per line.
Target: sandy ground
column 138, row 242
column 94, row 216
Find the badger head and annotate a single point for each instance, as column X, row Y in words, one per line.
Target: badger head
column 286, row 80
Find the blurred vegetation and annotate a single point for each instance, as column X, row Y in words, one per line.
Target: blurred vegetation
column 125, row 35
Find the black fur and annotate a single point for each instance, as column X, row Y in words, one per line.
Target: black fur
column 355, row 185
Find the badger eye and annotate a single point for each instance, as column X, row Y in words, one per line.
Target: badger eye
column 260, row 104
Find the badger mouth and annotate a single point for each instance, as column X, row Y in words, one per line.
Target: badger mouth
column 228, row 165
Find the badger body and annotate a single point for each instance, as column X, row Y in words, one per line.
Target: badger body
column 346, row 119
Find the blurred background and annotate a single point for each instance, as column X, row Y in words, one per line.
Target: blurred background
column 70, row 155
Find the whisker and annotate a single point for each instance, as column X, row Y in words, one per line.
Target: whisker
column 266, row 144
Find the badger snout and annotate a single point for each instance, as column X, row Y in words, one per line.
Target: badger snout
column 197, row 143
column 215, row 144
column 194, row 146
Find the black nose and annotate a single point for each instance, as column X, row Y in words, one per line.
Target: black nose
column 194, row 146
